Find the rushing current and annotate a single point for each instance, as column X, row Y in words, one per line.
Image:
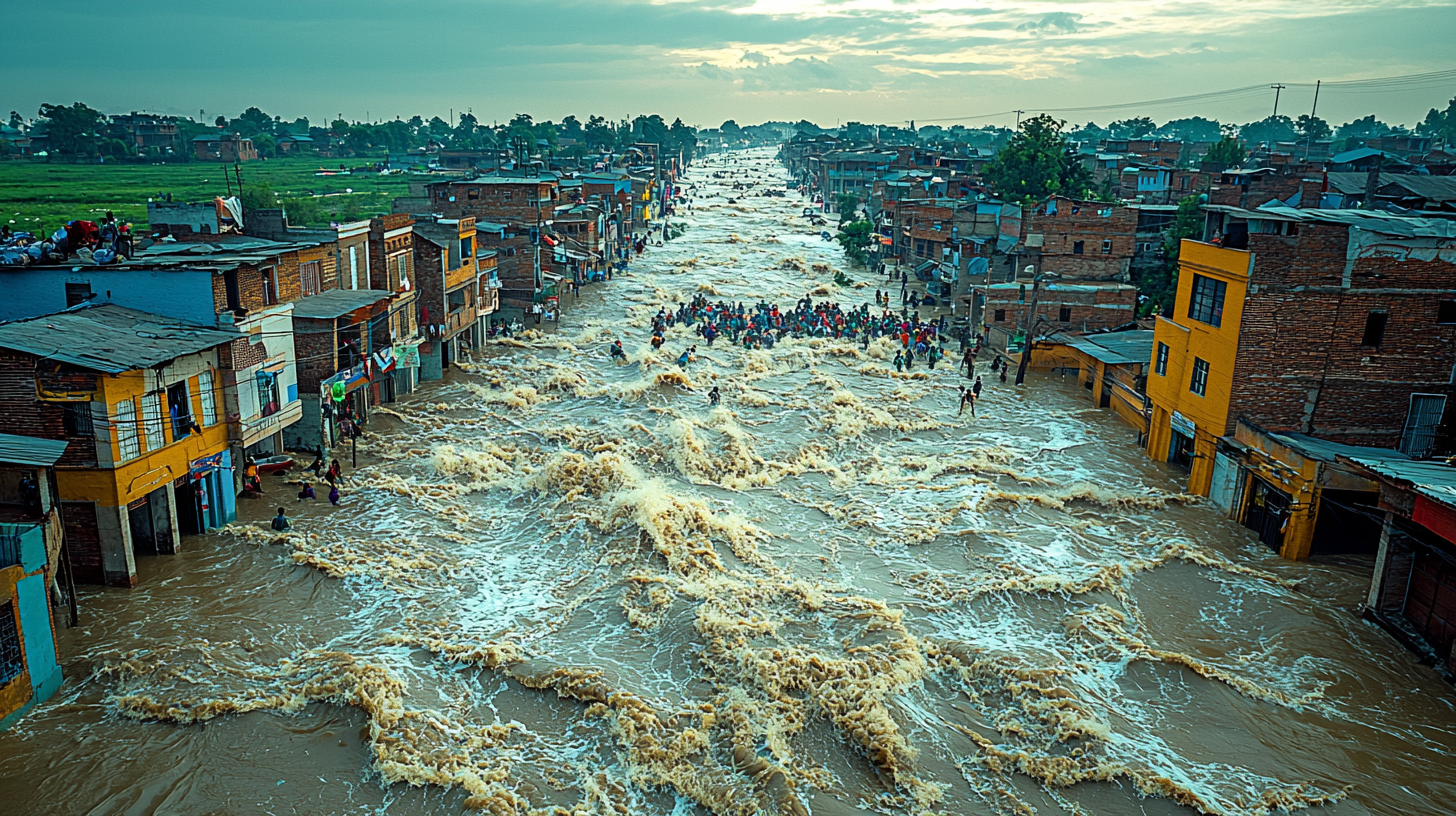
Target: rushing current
column 560, row 585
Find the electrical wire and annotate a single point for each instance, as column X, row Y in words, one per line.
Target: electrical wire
column 1371, row 85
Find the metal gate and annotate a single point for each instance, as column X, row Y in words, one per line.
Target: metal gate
column 1424, row 415
column 1265, row 513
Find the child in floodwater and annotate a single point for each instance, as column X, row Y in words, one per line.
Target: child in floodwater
column 306, row 492
column 899, row 361
column 334, row 495
column 618, row 354
column 714, row 396
column 280, row 522
column 967, row 398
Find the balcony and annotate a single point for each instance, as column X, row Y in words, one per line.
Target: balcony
column 459, row 320
column 459, row 276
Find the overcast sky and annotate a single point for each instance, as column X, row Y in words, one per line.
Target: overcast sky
column 709, row 60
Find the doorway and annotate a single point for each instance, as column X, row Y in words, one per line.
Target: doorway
column 143, row 532
column 1266, row 511
column 1180, row 451
column 189, row 506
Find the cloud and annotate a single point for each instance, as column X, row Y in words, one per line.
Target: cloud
column 1061, row 22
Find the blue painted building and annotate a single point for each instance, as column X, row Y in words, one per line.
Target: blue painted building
column 31, row 539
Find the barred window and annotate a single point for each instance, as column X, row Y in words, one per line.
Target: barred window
column 310, row 277
column 1206, row 304
column 209, row 398
column 11, row 662
column 1199, row 383
column 1162, row 366
column 126, row 430
column 152, row 422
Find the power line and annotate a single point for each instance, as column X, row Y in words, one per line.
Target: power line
column 1371, row 85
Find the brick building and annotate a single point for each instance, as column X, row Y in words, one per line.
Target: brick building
column 225, row 148
column 1068, row 307
column 147, row 133
column 447, row 278
column 1079, row 240
column 1337, row 324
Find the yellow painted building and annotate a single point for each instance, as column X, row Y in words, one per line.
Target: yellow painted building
column 140, row 399
column 1194, row 349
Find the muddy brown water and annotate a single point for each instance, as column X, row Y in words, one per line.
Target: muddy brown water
column 558, row 585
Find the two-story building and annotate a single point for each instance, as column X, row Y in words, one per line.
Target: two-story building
column 447, row 278
column 139, row 399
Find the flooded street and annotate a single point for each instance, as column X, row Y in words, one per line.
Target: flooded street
column 561, row 585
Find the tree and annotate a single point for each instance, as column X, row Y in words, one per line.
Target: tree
column 1269, row 130
column 856, row 239
column 220, row 121
column 252, row 122
column 1038, row 162
column 1312, row 128
column 600, row 133
column 1158, row 288
column 259, row 196
column 848, row 206
column 1194, row 129
column 1139, row 128
column 1227, row 151
column 265, row 145
column 16, row 120
column 71, row 130
column 1438, row 124
column 1353, row 133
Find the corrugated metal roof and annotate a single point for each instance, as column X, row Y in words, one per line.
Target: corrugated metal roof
column 1116, row 348
column 337, row 303
column 1326, row 451
column 1370, row 220
column 1435, row 480
column 30, row 450
column 110, row 338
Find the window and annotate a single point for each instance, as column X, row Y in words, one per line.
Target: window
column 1162, row 365
column 179, row 408
column 152, row 421
column 78, row 293
column 230, row 283
column 1375, row 328
column 270, row 286
column 126, row 430
column 467, row 248
column 208, row 398
column 1107, row 247
column 310, row 278
column 1446, row 311
column 1000, row 315
column 1183, row 183
column 76, row 420
column 267, row 394
column 403, row 276
column 1077, row 248
column 1199, row 383
column 11, row 663
column 1206, row 305
column 473, row 194
column 1065, row 316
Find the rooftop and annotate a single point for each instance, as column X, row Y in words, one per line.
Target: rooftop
column 337, row 303
column 1116, row 348
column 110, row 338
column 1432, row 479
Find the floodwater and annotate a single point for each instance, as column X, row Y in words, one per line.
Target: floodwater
column 561, row 586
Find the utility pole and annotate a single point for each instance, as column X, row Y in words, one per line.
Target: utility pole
column 1032, row 321
column 1309, row 142
column 1277, row 88
column 1018, row 119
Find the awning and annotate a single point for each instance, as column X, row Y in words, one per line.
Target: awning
column 30, row 450
column 337, row 303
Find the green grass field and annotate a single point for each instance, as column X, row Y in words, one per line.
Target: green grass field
column 36, row 195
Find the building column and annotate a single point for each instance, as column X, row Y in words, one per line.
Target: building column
column 113, row 530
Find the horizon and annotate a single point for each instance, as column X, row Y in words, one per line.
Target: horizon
column 707, row 61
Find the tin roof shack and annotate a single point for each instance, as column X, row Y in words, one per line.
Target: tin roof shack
column 138, row 398
column 1413, row 591
column 1296, row 493
column 31, row 562
column 1111, row 366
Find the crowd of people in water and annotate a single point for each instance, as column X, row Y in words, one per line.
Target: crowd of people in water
column 760, row 326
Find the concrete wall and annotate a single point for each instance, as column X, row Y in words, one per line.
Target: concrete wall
column 181, row 294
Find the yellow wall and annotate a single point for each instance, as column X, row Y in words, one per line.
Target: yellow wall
column 153, row 468
column 18, row 691
column 1188, row 339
